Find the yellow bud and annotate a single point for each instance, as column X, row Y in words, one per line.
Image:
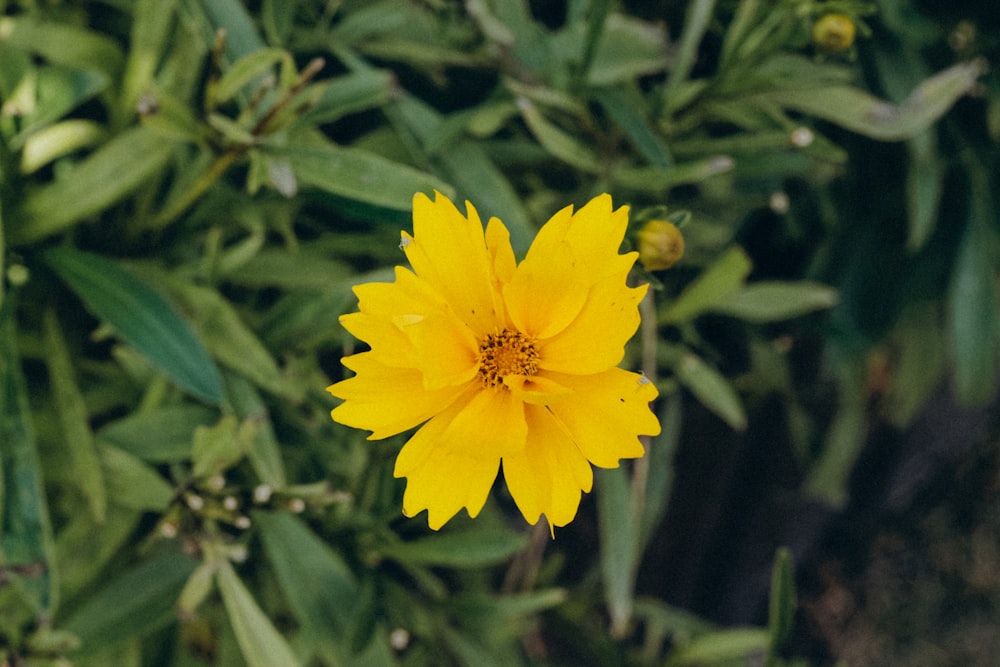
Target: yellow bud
column 834, row 32
column 661, row 245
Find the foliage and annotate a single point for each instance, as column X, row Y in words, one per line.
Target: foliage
column 189, row 189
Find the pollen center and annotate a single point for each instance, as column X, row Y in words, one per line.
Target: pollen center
column 506, row 353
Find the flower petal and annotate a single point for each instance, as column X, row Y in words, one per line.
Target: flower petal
column 546, row 293
column 492, row 424
column 444, row 350
column 386, row 400
column 498, row 244
column 593, row 234
column 446, row 482
column 452, row 461
column 448, row 250
column 537, row 390
column 606, row 413
column 595, row 340
column 548, row 476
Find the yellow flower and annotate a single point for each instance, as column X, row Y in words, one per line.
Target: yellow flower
column 505, row 365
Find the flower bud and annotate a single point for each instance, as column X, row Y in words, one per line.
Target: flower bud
column 834, row 32
column 661, row 245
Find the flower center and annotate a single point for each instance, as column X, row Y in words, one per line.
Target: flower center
column 506, row 353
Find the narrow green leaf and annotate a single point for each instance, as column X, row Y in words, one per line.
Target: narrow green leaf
column 133, row 604
column 467, row 166
column 152, row 21
column 216, row 448
column 471, row 549
column 972, row 306
column 261, row 644
column 55, row 141
column 63, row 43
column 316, row 581
column 251, row 66
column 828, row 478
column 723, row 277
column 228, row 337
column 619, row 551
column 657, row 179
column 555, row 140
column 50, row 93
column 924, row 186
column 712, row 389
column 25, row 531
column 731, row 646
column 782, row 602
column 349, row 94
column 360, row 175
column 773, row 301
column 628, row 48
column 161, row 435
column 100, row 181
column 861, row 112
column 661, row 450
column 133, row 483
column 920, row 359
column 78, row 439
column 140, row 316
column 627, row 114
column 263, row 450
column 80, row 556
column 242, row 37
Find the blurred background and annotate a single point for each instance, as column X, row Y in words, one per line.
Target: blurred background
column 190, row 188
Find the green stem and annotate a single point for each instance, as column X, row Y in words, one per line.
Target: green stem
column 647, row 333
column 687, row 51
column 198, row 188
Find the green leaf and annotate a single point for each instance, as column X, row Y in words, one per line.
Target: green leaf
column 263, row 449
column 828, row 478
column 252, row 66
column 53, row 142
column 467, row 166
column 80, row 556
column 93, row 185
column 627, row 114
column 773, row 301
column 229, row 338
column 723, row 277
column 49, row 93
column 78, row 439
column 63, row 43
column 628, row 48
column 160, row 435
column 140, row 316
column 261, row 644
column 25, row 531
column 861, row 112
column 317, row 583
column 782, row 603
column 619, row 552
column 216, row 448
column 972, row 306
column 732, row 646
column 349, row 94
column 712, row 389
column 133, row 604
column 555, row 140
column 231, row 16
column 133, row 483
column 471, row 549
column 360, row 175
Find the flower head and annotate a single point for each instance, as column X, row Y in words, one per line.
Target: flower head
column 506, row 366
